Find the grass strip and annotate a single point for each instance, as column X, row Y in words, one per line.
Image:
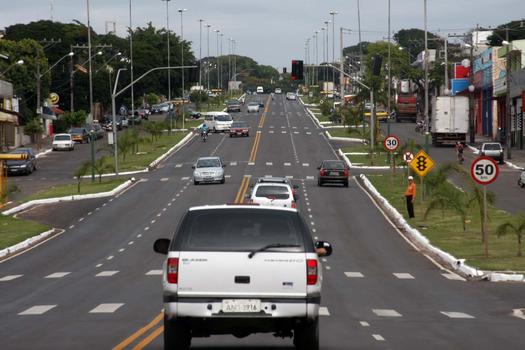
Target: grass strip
column 86, row 187
column 13, row 230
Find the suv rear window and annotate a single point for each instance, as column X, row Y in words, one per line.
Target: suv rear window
column 224, row 118
column 275, row 192
column 492, row 147
column 240, row 230
column 62, row 138
column 333, row 165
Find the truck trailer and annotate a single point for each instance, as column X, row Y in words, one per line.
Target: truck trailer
column 450, row 120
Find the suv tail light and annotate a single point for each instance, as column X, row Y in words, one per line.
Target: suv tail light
column 294, row 205
column 322, row 172
column 311, row 272
column 173, row 270
column 346, row 172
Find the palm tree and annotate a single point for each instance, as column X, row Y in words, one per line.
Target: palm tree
column 516, row 226
column 475, row 196
column 447, row 197
column 103, row 165
column 81, row 171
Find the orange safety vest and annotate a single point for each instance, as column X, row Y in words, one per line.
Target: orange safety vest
column 411, row 190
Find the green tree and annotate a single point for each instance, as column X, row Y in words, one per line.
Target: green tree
column 34, row 129
column 447, row 197
column 81, row 171
column 515, row 225
column 103, row 165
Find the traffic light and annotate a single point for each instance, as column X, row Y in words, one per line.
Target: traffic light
column 297, row 70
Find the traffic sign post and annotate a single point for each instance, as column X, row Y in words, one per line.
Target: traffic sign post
column 391, row 144
column 484, row 171
column 408, row 157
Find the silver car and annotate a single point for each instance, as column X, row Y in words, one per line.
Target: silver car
column 208, row 170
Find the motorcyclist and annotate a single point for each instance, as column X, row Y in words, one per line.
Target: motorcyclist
column 459, row 150
column 271, row 95
column 204, row 130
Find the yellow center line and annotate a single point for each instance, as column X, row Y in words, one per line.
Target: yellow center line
column 244, row 189
column 149, row 338
column 239, row 192
column 255, row 147
column 139, row 333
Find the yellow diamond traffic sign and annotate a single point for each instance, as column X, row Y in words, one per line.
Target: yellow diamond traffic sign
column 422, row 163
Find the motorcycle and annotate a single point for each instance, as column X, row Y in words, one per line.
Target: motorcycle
column 204, row 135
column 420, row 126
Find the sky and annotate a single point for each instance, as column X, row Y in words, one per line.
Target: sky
column 273, row 32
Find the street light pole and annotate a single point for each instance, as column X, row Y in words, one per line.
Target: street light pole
column 427, row 121
column 168, row 39
column 114, row 119
column 208, row 55
column 389, row 66
column 181, row 11
column 200, row 52
column 217, row 59
column 508, row 143
column 360, row 44
column 220, row 72
column 333, row 13
column 316, row 58
column 90, row 118
column 131, row 65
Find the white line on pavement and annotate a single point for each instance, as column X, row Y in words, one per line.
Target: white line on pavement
column 58, row 275
column 98, row 265
column 269, row 163
column 364, row 324
column 386, row 313
column 71, row 227
column 164, row 179
column 9, row 278
column 154, row 273
column 110, row 257
column 185, row 178
column 453, row 277
column 106, row 308
column 323, row 311
column 37, row 310
column 378, row 337
column 454, row 314
column 403, row 276
column 287, row 164
column 106, row 273
column 179, row 165
column 131, row 242
column 354, row 275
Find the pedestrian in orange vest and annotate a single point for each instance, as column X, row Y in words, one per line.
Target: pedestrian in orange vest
column 410, row 195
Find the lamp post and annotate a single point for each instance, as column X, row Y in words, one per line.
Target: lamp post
column 39, row 78
column 333, row 13
column 90, row 118
column 508, row 143
column 17, row 63
column 181, row 11
column 323, row 29
column 360, row 44
column 316, row 33
column 208, row 55
column 389, row 70
column 220, row 74
column 131, row 63
column 217, row 59
column 72, row 73
column 200, row 52
column 168, row 43
column 471, row 88
column 427, row 121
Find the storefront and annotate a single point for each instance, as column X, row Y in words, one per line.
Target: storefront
column 483, row 83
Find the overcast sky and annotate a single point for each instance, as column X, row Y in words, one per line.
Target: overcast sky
column 271, row 31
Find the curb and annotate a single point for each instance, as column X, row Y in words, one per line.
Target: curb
column 43, row 153
column 29, row 204
column 348, row 139
column 351, row 166
column 28, row 243
column 420, row 241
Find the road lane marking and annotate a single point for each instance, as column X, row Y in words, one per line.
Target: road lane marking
column 139, row 235
column 121, row 250
column 364, row 324
column 139, row 332
column 251, row 163
column 149, row 338
column 233, row 163
column 354, row 275
column 270, row 132
column 455, row 314
column 308, row 133
column 164, row 179
column 519, row 313
column 131, row 242
column 453, row 277
column 71, row 227
column 386, row 313
column 153, row 221
column 98, row 265
column 154, row 273
column 110, row 257
column 185, row 178
column 310, row 178
column 146, row 228
column 239, row 198
column 269, row 163
column 323, row 311
column 90, row 213
column 287, row 164
column 404, row 276
column 9, row 278
column 106, row 273
column 227, row 176
column 58, row 275
column 283, row 132
column 37, row 310
column 179, row 165
column 289, row 177
column 108, row 308
column 378, row 337
column 306, row 164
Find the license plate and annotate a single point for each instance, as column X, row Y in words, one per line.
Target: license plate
column 241, row 305
column 334, row 173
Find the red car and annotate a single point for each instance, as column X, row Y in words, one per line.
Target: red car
column 239, row 129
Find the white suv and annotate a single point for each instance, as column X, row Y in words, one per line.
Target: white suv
column 241, row 269
column 493, row 150
column 273, row 194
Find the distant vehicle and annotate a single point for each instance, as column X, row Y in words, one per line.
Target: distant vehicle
column 493, row 150
column 239, row 269
column 291, row 96
column 253, row 107
column 278, row 91
column 79, row 135
column 218, row 121
column 333, row 171
column 260, row 102
column 63, row 142
column 521, row 180
column 406, row 103
column 260, row 90
column 95, row 130
column 124, row 121
column 273, row 194
column 23, row 166
column 280, row 180
column 107, row 123
column 208, row 170
column 239, row 129
column 233, row 106
column 449, row 123
column 195, row 115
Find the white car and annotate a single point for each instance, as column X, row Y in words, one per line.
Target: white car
column 260, row 90
column 253, row 107
column 291, row 96
column 241, row 269
column 63, row 142
column 278, row 91
column 493, row 150
column 273, row 194
column 218, row 121
column 208, row 169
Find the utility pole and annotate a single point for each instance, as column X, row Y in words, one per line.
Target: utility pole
column 333, row 13
column 360, row 43
column 316, row 70
column 389, row 67
column 508, row 143
column 168, row 39
column 181, row 11
column 200, row 52
column 90, row 70
column 427, row 119
column 131, row 63
column 208, row 56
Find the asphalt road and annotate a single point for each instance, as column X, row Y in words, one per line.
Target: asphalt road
column 509, row 196
column 97, row 285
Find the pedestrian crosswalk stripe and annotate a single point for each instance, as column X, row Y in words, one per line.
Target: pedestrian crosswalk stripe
column 269, row 163
column 287, row 164
column 37, row 310
column 106, row 273
column 455, row 314
column 386, row 313
column 9, row 278
column 404, row 276
column 186, row 178
column 154, row 273
column 179, row 165
column 306, row 164
column 233, row 163
column 58, row 275
column 453, row 276
column 354, row 275
column 106, row 308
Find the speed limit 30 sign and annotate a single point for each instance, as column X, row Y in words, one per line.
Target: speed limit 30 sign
column 391, row 143
column 484, row 170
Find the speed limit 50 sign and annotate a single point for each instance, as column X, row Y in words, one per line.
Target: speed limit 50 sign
column 484, row 170
column 391, row 143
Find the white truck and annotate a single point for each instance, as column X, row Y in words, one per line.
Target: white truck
column 449, row 122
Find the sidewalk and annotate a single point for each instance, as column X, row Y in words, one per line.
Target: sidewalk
column 43, row 145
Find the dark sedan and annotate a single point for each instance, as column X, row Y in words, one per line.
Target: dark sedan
column 333, row 171
column 23, row 166
column 239, row 129
column 233, row 106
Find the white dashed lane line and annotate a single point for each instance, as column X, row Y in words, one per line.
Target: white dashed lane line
column 121, row 250
column 364, row 324
column 9, row 278
column 154, row 273
column 354, row 275
column 58, row 275
column 146, row 228
column 378, row 337
column 110, row 257
column 71, row 227
column 323, row 311
column 453, row 277
column 37, row 310
column 106, row 308
column 386, row 313
column 404, row 276
column 455, row 314
column 106, row 273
